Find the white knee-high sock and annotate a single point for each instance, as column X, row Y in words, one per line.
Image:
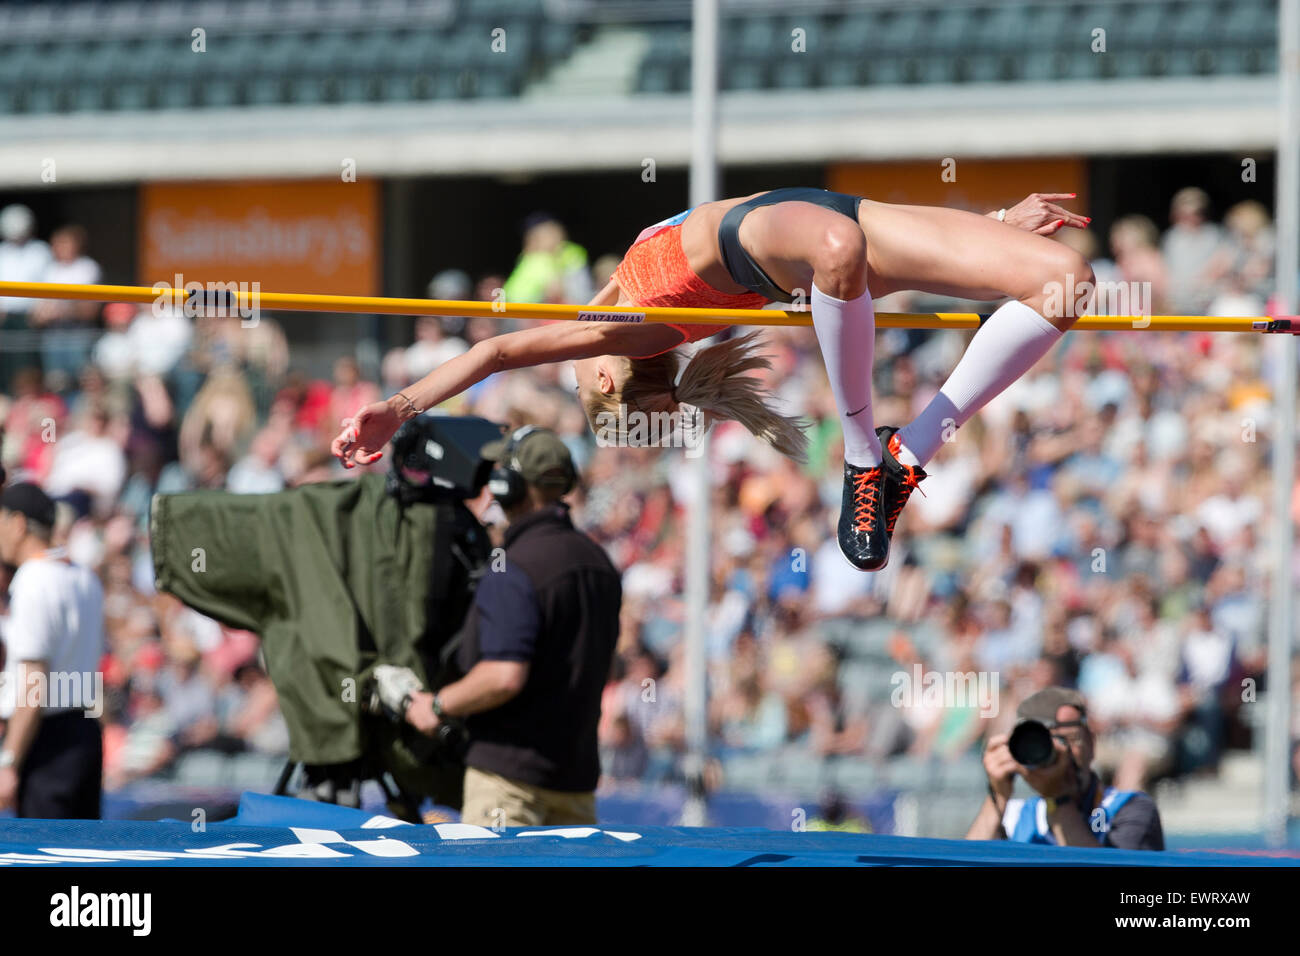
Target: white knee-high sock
column 846, row 332
column 1005, row 348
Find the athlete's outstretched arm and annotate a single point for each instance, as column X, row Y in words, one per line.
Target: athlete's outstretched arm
column 364, row 435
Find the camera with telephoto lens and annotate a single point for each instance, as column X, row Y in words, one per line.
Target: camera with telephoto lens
column 1031, row 744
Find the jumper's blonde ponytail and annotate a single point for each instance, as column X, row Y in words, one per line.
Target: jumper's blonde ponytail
column 716, row 382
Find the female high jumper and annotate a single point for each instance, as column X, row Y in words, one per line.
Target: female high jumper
column 744, row 253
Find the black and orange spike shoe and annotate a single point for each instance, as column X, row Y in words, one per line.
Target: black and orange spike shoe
column 900, row 479
column 861, row 532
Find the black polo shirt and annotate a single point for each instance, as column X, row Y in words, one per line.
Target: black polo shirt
column 553, row 603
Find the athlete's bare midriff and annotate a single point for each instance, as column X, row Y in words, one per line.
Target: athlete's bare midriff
column 699, row 233
column 700, row 243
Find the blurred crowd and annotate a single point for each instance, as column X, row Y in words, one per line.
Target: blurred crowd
column 1101, row 525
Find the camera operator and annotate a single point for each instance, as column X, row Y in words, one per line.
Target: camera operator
column 541, row 634
column 1072, row 808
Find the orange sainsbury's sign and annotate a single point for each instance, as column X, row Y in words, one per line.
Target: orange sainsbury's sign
column 317, row 236
column 977, row 185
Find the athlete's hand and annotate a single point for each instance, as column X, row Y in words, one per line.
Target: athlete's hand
column 1039, row 214
column 364, row 435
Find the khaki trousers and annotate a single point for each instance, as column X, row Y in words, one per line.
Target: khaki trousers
column 492, row 800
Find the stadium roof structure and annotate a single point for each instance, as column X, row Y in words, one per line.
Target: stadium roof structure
column 121, row 92
column 553, row 134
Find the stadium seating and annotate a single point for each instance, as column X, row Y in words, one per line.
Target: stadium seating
column 107, row 55
column 116, row 56
column 1040, row 41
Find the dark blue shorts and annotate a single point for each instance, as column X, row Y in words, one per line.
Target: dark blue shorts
column 740, row 265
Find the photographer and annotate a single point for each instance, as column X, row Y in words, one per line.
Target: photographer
column 1072, row 809
column 539, row 639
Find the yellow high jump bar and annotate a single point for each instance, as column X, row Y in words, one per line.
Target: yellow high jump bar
column 224, row 298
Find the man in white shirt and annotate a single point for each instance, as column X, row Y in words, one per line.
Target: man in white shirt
column 67, row 327
column 51, row 756
column 89, row 458
column 23, row 258
column 142, row 340
column 1188, row 247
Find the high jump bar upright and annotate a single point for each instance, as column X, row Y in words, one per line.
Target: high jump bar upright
column 242, row 302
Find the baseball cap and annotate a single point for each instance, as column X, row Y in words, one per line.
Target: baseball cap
column 30, row 501
column 1043, row 705
column 539, row 456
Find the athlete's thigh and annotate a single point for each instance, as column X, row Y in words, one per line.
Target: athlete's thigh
column 951, row 252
